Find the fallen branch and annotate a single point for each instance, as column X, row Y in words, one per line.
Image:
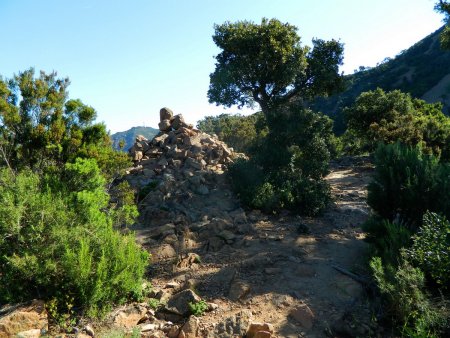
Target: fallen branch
column 353, row 276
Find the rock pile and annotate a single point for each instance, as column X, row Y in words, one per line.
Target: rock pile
column 178, row 144
column 183, row 195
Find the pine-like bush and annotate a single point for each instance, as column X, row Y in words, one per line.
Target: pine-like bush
column 57, row 241
column 407, row 183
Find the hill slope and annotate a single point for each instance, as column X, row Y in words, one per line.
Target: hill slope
column 423, row 70
column 129, row 136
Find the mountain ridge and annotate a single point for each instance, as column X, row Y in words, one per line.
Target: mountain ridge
column 423, row 70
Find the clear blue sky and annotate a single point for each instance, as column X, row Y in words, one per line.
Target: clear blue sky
column 129, row 58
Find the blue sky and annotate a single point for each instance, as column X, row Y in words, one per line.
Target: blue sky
column 129, row 58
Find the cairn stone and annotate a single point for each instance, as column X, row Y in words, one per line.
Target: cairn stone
column 165, row 125
column 165, row 114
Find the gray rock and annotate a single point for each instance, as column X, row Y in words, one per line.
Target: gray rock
column 179, row 303
column 165, row 114
column 233, row 326
column 164, row 125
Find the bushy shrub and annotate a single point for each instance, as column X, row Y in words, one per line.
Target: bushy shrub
column 407, row 183
column 431, row 248
column 58, row 242
column 387, row 238
column 406, row 299
column 287, row 170
column 389, row 117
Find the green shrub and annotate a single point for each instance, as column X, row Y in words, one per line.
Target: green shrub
column 387, row 238
column 58, row 242
column 407, row 183
column 389, row 117
column 408, row 304
column 431, row 248
column 287, row 170
column 198, row 308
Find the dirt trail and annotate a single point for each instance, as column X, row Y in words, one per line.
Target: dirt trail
column 285, row 262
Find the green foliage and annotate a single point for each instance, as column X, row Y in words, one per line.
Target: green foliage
column 377, row 116
column 431, row 248
column 40, row 127
column 154, row 303
column 240, row 132
column 198, row 308
column 443, row 6
column 405, row 297
column 145, row 190
column 415, row 71
column 57, row 241
column 287, row 170
column 265, row 63
column 387, row 239
column 407, row 183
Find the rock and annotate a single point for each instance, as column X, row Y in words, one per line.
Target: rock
column 130, row 316
column 165, row 125
column 138, row 155
column 89, row 330
column 178, row 303
column 202, row 190
column 178, row 122
column 233, row 326
column 260, row 330
column 25, row 318
column 148, row 327
column 212, row 307
column 35, row 333
column 140, row 138
column 238, row 290
column 172, row 285
column 303, row 315
column 165, row 251
column 165, row 114
column 191, row 327
column 193, row 163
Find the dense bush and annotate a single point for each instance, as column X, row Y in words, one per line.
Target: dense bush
column 377, row 116
column 410, row 245
column 58, row 242
column 431, row 248
column 407, row 183
column 407, row 301
column 286, row 171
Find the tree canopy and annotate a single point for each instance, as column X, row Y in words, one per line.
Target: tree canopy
column 266, row 63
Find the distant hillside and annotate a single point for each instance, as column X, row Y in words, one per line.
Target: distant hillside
column 129, row 136
column 423, row 70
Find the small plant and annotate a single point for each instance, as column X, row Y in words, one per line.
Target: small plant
column 198, row 308
column 154, row 303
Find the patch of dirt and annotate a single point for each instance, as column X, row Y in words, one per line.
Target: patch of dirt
column 282, row 262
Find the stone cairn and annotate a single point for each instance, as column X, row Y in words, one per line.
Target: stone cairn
column 179, row 178
column 178, row 144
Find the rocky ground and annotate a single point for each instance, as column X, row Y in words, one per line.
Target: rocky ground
column 258, row 275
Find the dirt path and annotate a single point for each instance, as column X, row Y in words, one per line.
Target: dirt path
column 281, row 265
